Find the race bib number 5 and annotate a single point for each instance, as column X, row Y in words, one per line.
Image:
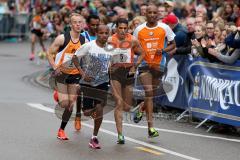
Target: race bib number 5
column 121, row 56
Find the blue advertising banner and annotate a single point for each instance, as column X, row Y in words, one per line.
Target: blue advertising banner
column 215, row 91
column 176, row 75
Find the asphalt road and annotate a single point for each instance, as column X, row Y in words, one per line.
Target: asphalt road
column 29, row 125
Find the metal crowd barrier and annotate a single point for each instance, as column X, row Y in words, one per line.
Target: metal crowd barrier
column 14, row 26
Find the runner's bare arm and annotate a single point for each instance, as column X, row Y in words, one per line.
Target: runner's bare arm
column 171, row 46
column 137, row 48
column 43, row 23
column 52, row 51
column 77, row 64
column 82, row 51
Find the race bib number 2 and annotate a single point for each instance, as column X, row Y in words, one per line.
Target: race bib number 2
column 68, row 61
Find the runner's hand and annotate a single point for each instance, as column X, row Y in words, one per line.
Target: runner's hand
column 159, row 51
column 87, row 78
column 57, row 72
column 132, row 70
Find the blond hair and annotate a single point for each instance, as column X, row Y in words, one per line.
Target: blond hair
column 142, row 19
column 77, row 15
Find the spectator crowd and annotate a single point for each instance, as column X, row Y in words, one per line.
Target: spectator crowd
column 202, row 27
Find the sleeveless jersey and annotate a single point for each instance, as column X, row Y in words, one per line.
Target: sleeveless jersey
column 122, row 52
column 64, row 56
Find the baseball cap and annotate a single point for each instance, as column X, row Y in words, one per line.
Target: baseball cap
column 170, row 19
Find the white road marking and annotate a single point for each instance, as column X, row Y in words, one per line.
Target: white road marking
column 177, row 132
column 43, row 108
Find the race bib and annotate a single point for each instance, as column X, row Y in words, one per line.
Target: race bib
column 67, row 62
column 121, row 56
column 36, row 25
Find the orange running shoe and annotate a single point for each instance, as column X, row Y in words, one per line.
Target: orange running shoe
column 77, row 123
column 61, row 135
column 55, row 96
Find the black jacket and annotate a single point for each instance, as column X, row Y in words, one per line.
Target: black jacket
column 186, row 48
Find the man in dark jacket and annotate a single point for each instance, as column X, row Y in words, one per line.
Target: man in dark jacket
column 186, row 47
column 179, row 30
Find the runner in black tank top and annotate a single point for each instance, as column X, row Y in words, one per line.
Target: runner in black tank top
column 67, row 76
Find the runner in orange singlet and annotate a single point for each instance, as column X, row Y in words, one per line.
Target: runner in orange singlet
column 152, row 36
column 122, row 71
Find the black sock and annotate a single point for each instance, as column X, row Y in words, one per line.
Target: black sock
column 63, row 125
column 78, row 104
column 65, row 118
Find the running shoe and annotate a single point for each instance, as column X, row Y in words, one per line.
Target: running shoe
column 121, row 139
column 61, row 135
column 31, row 57
column 137, row 116
column 42, row 55
column 94, row 143
column 55, row 96
column 152, row 132
column 77, row 123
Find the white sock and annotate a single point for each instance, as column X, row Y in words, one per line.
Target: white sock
column 94, row 136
